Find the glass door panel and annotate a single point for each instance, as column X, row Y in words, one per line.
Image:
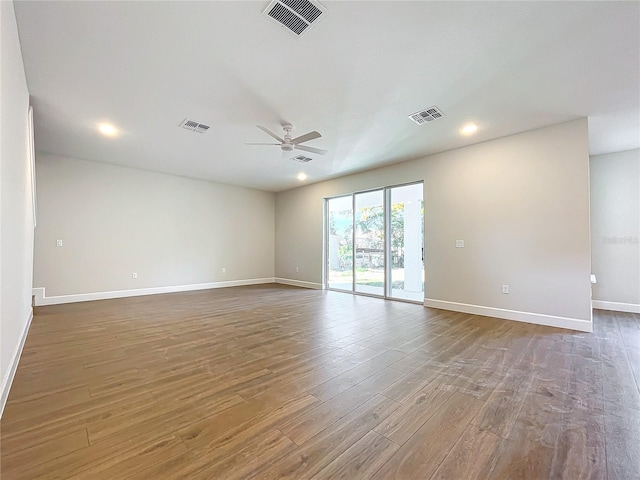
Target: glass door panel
column 340, row 243
column 369, row 243
column 406, row 266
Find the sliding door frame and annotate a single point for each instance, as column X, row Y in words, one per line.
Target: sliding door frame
column 327, row 244
column 386, row 212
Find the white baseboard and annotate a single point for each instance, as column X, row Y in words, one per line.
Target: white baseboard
column 13, row 365
column 41, row 299
column 616, row 306
column 299, row 283
column 528, row 317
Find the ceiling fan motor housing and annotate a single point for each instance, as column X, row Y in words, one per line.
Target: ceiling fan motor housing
column 287, row 146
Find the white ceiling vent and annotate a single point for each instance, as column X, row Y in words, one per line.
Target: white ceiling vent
column 194, row 126
column 301, row 159
column 427, row 115
column 297, row 16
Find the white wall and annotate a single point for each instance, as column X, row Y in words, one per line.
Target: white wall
column 171, row 231
column 520, row 203
column 615, row 227
column 16, row 213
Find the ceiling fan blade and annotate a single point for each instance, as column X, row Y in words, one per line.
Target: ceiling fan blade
column 304, row 148
column 306, row 137
column 262, row 144
column 270, row 133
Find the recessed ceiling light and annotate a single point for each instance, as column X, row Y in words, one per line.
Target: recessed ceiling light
column 469, row 129
column 302, row 176
column 107, row 129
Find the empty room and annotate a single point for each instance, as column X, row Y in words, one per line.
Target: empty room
column 293, row 239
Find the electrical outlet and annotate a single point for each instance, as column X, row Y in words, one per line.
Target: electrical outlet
column 134, row 275
column 297, row 270
column 58, row 243
column 505, row 289
column 224, row 270
column 459, row 243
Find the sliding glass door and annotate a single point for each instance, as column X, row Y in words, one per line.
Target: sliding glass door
column 374, row 240
column 406, row 272
column 340, row 243
column 369, row 240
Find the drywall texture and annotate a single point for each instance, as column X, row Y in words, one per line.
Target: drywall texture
column 170, row 230
column 520, row 203
column 615, row 226
column 16, row 215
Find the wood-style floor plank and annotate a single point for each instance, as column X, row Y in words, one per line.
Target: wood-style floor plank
column 309, row 459
column 269, row 382
column 360, row 460
column 419, row 457
column 473, row 457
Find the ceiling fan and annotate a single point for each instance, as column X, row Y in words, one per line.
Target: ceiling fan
column 287, row 144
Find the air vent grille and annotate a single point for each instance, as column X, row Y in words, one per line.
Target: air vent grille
column 427, row 115
column 194, row 126
column 297, row 16
column 304, row 8
column 301, row 159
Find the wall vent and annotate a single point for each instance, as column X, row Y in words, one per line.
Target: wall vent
column 297, row 16
column 301, row 159
column 426, row 115
column 194, row 126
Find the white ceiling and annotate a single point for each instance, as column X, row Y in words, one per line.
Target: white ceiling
column 145, row 66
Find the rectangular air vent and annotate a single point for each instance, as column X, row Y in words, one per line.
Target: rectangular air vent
column 297, row 16
column 426, row 115
column 194, row 126
column 301, row 159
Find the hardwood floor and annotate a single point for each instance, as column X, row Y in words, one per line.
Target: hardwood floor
column 271, row 382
